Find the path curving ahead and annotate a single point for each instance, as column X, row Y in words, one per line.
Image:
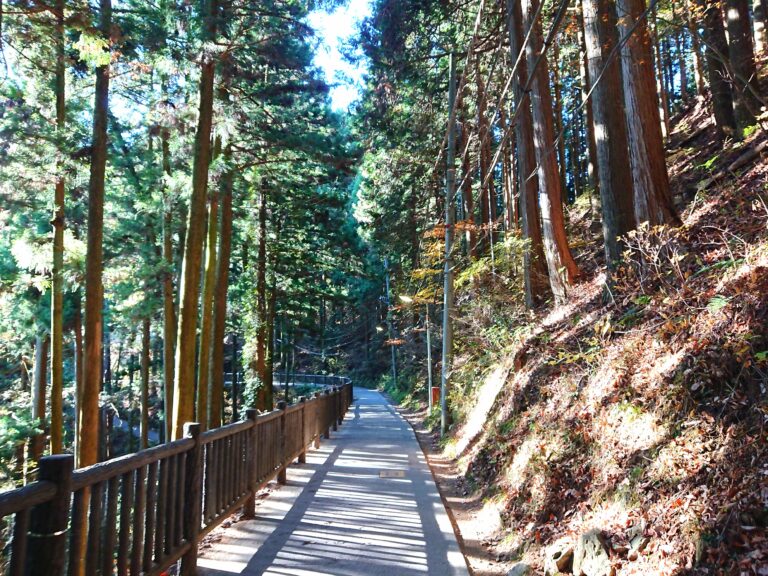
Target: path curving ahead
column 365, row 503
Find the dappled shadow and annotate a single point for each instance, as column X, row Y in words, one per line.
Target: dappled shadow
column 348, row 519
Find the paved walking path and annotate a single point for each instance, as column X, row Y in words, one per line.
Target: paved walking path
column 340, row 515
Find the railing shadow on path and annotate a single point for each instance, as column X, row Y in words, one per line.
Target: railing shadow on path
column 143, row 512
column 345, row 517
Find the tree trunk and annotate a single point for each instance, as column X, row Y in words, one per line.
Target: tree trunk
column 57, row 284
column 652, row 199
column 507, row 174
column 235, row 380
column 590, row 127
column 37, row 442
column 216, row 377
column 263, row 332
column 207, row 314
column 466, row 188
column 558, row 112
column 742, row 56
column 487, row 203
column 130, row 415
column 613, row 165
column 681, row 64
column 169, row 307
column 145, row 360
column 698, row 66
column 759, row 15
column 669, row 80
column 94, row 263
column 271, row 312
column 79, row 373
column 184, row 386
column 717, row 72
column 556, row 249
column 534, row 263
column 660, row 83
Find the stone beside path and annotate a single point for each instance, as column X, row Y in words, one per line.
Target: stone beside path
column 364, row 504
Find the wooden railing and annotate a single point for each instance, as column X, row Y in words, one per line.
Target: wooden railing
column 298, row 378
column 141, row 513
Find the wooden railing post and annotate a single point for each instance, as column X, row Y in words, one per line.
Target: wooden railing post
column 281, row 476
column 326, row 424
column 303, row 454
column 316, row 416
column 193, row 491
column 249, row 508
column 48, row 522
column 335, row 408
column 341, row 404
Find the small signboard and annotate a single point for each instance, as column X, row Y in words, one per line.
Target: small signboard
column 392, row 474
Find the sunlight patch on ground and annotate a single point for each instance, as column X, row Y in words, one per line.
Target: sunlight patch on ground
column 633, row 428
column 486, row 397
column 227, row 566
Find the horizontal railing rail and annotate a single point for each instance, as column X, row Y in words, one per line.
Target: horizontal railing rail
column 141, row 513
column 278, row 378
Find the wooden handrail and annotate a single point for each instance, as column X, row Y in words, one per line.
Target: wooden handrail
column 148, row 510
column 102, row 471
column 26, row 497
column 224, row 431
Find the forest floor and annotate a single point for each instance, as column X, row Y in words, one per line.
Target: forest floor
column 640, row 411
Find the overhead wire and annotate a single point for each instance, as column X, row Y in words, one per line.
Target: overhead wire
column 608, row 61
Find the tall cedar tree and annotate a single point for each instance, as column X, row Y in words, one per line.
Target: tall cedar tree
column 534, row 263
column 614, row 171
column 556, row 249
column 94, row 288
column 184, row 386
column 652, row 198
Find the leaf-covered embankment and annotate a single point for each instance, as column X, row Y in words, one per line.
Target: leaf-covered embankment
column 637, row 411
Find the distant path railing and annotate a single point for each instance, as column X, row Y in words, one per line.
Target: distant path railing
column 141, row 513
column 278, row 379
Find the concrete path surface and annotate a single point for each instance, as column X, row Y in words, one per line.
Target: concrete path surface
column 364, row 504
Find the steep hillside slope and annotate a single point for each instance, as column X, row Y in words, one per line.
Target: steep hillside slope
column 637, row 411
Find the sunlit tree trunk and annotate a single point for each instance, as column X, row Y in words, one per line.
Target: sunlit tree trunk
column 216, row 377
column 184, row 386
column 37, row 442
column 652, row 199
column 556, row 249
column 534, row 263
column 57, row 284
column 207, row 313
column 759, row 16
column 661, row 86
column 94, row 263
column 590, row 125
column 615, row 174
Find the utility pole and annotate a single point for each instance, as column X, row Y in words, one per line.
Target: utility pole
column 450, row 185
column 429, row 362
column 389, row 324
